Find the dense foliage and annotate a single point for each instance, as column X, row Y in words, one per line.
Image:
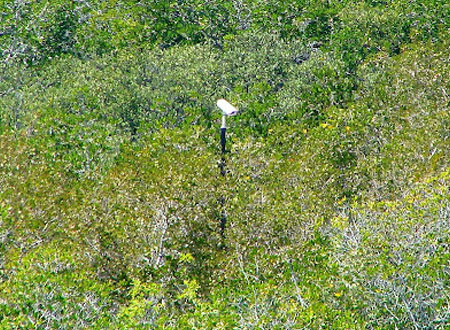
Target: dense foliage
column 337, row 187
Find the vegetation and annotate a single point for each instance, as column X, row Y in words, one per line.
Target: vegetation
column 337, row 190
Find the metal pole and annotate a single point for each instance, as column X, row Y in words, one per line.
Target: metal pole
column 227, row 110
column 223, row 141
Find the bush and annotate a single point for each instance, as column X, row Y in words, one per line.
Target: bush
column 47, row 289
column 34, row 32
column 392, row 255
column 335, row 192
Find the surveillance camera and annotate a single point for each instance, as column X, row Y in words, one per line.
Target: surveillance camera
column 227, row 108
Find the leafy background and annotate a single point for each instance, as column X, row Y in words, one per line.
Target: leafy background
column 337, row 186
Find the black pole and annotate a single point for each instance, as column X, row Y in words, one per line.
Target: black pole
column 223, row 218
column 223, row 141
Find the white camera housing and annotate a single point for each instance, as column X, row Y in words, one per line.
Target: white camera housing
column 227, row 108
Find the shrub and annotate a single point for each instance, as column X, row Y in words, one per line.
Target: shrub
column 47, row 289
column 392, row 255
column 37, row 31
